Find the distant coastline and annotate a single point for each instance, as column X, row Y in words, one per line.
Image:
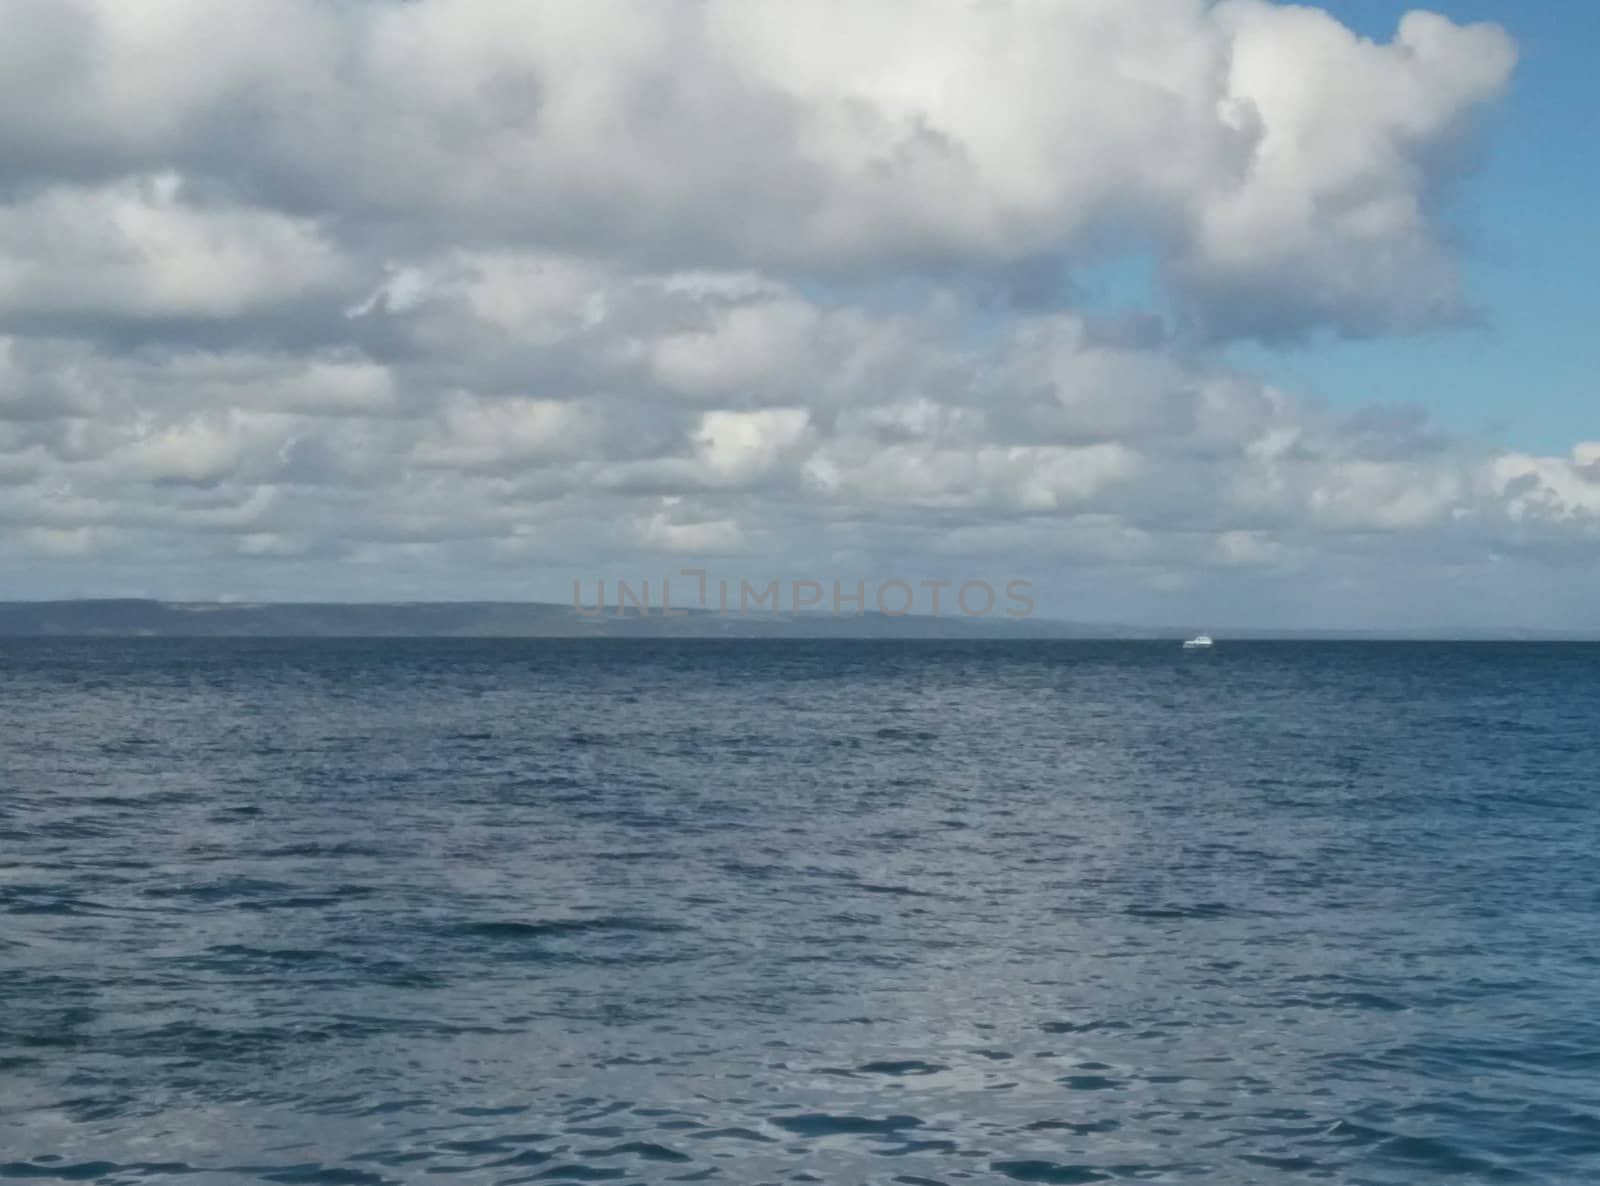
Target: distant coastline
column 149, row 618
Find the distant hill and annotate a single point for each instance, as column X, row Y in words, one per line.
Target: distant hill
column 134, row 618
column 485, row 619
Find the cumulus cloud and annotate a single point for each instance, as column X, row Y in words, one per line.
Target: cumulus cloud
column 1565, row 489
column 1275, row 159
column 463, row 297
column 136, row 248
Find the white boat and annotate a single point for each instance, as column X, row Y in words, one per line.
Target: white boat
column 1198, row 643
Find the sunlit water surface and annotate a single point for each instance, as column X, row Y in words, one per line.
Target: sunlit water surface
column 403, row 912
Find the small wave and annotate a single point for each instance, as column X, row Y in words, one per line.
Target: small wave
column 1293, row 1164
column 644, row 1150
column 142, row 802
column 578, row 1172
column 1349, row 1133
column 1082, row 1027
column 317, row 1174
column 65, row 907
column 826, row 1124
column 1191, row 910
column 1077, row 1128
column 898, row 891
column 909, row 1066
column 1359, row 1001
column 1438, row 1156
column 258, row 1044
column 733, row 1133
column 244, row 960
column 1090, row 1083
column 556, row 928
column 754, row 871
column 223, row 890
column 547, row 782
column 54, row 1169
column 908, row 1148
column 524, row 1157
column 510, row 1143
column 1053, row 1172
column 323, row 851
column 338, row 896
column 891, row 733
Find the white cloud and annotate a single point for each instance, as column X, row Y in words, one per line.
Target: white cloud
column 140, row 249
column 717, row 537
column 472, row 433
column 1279, row 162
column 740, row 447
column 327, row 383
column 1330, row 223
column 1554, row 488
column 739, row 351
column 465, row 292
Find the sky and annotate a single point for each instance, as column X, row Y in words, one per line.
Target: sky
column 1524, row 377
column 1181, row 312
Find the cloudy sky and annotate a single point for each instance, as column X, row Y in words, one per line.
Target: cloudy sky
column 1227, row 312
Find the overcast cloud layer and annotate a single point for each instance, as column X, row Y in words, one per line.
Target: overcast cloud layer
column 462, row 298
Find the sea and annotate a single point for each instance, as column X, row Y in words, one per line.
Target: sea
column 353, row 913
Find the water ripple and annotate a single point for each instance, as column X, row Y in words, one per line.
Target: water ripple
column 486, row 913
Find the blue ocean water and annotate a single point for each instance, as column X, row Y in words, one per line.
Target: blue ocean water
column 746, row 912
